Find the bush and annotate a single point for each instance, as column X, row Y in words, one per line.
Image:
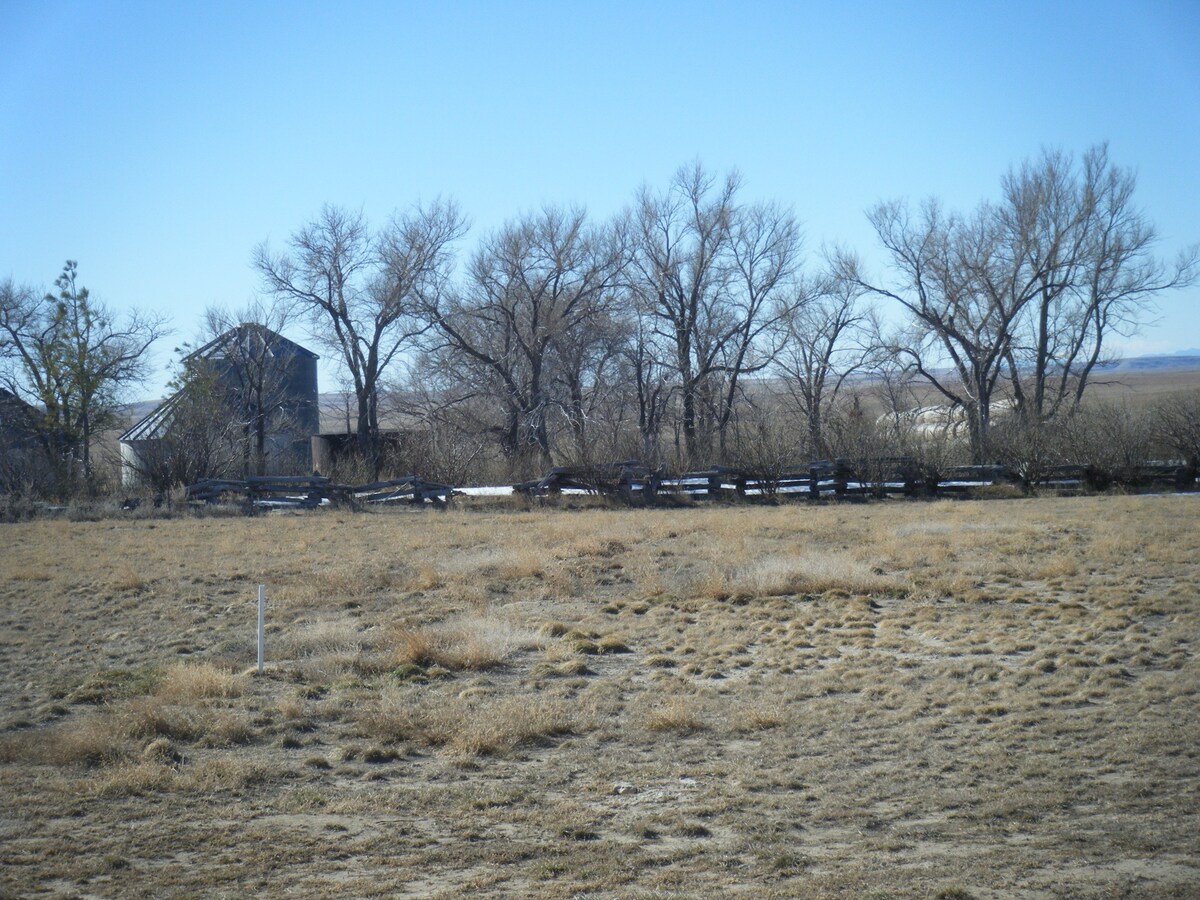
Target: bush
column 1177, row 427
column 1114, row 439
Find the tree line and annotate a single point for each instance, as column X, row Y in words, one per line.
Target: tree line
column 694, row 327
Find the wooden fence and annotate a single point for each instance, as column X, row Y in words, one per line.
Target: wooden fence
column 839, row 478
column 633, row 483
column 316, row 490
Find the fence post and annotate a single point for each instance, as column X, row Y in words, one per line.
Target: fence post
column 262, row 603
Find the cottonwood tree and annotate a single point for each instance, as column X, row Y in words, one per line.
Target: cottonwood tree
column 362, row 291
column 71, row 357
column 650, row 380
column 533, row 297
column 681, row 273
column 1113, row 438
column 1026, row 292
column 1087, row 251
column 764, row 253
column 456, row 442
column 831, row 336
column 707, row 273
column 588, row 387
column 955, row 278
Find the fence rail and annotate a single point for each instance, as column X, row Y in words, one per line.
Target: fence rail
column 633, row 482
column 840, row 478
column 317, row 490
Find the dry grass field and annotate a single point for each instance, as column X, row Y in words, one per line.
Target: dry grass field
column 897, row 699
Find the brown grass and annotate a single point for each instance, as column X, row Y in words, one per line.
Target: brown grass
column 469, row 727
column 188, row 682
column 128, row 579
column 473, row 643
column 675, row 713
column 887, row 699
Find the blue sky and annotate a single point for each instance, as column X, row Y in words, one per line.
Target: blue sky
column 158, row 143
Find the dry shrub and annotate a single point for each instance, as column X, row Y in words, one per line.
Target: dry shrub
column 226, row 729
column 471, row 643
column 522, row 563
column 189, row 682
column 325, row 649
column 427, row 578
column 554, row 629
column 475, row 726
column 107, row 685
column 610, row 643
column 224, row 773
column 1057, row 566
column 593, row 546
column 106, row 735
column 502, row 725
column 491, row 562
column 29, row 574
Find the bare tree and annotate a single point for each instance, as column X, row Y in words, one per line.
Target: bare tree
column 955, row 279
column 769, row 446
column 765, row 255
column 709, row 276
column 71, row 357
column 1087, row 251
column 196, row 434
column 831, row 336
column 1178, row 426
column 1024, row 293
column 587, row 384
column 650, row 379
column 362, row 291
column 1114, row 439
column 867, row 443
column 529, row 309
column 682, row 274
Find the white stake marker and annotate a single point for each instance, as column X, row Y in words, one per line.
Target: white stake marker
column 262, row 604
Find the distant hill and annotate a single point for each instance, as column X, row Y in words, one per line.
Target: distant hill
column 1184, row 360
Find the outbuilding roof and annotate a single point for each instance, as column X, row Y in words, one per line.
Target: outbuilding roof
column 249, row 335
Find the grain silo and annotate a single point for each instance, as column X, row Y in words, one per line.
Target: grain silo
column 263, row 387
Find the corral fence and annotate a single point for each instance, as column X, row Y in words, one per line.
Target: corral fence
column 841, row 478
column 305, row 491
column 633, row 482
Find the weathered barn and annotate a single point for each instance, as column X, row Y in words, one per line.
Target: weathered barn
column 265, row 384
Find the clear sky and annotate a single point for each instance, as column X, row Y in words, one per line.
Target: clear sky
column 158, row 143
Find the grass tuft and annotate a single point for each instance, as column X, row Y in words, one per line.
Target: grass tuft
column 473, row 643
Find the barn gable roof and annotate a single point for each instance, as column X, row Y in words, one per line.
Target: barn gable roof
column 246, row 333
column 252, row 334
